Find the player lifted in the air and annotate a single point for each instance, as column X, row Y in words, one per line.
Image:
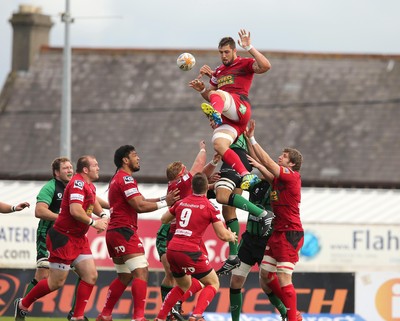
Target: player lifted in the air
column 228, row 92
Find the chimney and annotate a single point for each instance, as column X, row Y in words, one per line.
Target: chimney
column 31, row 31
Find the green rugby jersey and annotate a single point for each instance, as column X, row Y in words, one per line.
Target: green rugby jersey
column 51, row 194
column 259, row 194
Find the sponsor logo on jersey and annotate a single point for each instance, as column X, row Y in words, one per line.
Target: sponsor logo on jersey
column 274, row 196
column 128, row 179
column 226, row 80
column 242, row 109
column 181, row 231
column 59, row 195
column 76, row 197
column 131, row 191
column 79, row 184
column 189, row 205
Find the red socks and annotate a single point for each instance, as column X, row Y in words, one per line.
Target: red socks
column 38, row 291
column 217, row 102
column 139, row 292
column 290, row 301
column 204, row 299
column 172, row 297
column 115, row 291
column 82, row 297
column 233, row 160
column 194, row 288
column 275, row 286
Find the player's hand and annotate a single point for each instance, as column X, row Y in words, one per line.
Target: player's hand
column 251, row 128
column 216, row 158
column 21, row 206
column 197, row 84
column 253, row 162
column 172, row 197
column 202, row 145
column 101, row 225
column 234, row 237
column 213, row 125
column 205, row 70
column 244, row 40
column 214, row 178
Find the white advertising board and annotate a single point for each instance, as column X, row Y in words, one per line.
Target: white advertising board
column 18, row 241
column 378, row 296
column 350, row 248
column 327, row 247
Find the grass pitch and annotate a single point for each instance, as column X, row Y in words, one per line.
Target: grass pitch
column 28, row 318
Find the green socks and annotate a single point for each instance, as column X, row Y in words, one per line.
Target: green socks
column 239, row 201
column 164, row 291
column 277, row 303
column 235, row 227
column 236, row 299
column 30, row 286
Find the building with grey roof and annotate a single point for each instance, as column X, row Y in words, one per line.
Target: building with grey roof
column 341, row 111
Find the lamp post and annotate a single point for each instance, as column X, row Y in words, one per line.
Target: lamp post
column 65, row 136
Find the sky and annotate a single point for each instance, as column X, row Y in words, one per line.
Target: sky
column 328, row 26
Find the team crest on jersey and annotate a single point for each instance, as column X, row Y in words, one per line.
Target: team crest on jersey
column 79, row 184
column 242, row 109
column 286, row 170
column 128, row 179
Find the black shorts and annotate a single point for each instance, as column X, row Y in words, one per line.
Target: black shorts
column 252, row 248
column 228, row 172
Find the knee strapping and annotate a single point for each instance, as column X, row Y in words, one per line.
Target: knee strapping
column 242, row 270
column 285, row 267
column 137, row 262
column 122, row 268
column 225, row 183
column 217, row 135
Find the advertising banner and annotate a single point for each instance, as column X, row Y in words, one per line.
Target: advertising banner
column 378, row 296
column 327, row 247
column 338, row 247
column 329, row 295
column 18, row 241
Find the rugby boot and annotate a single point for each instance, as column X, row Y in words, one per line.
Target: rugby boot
column 266, row 222
column 211, row 113
column 248, row 181
column 19, row 313
column 228, row 266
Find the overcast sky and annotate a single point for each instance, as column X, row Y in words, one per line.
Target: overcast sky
column 337, row 26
